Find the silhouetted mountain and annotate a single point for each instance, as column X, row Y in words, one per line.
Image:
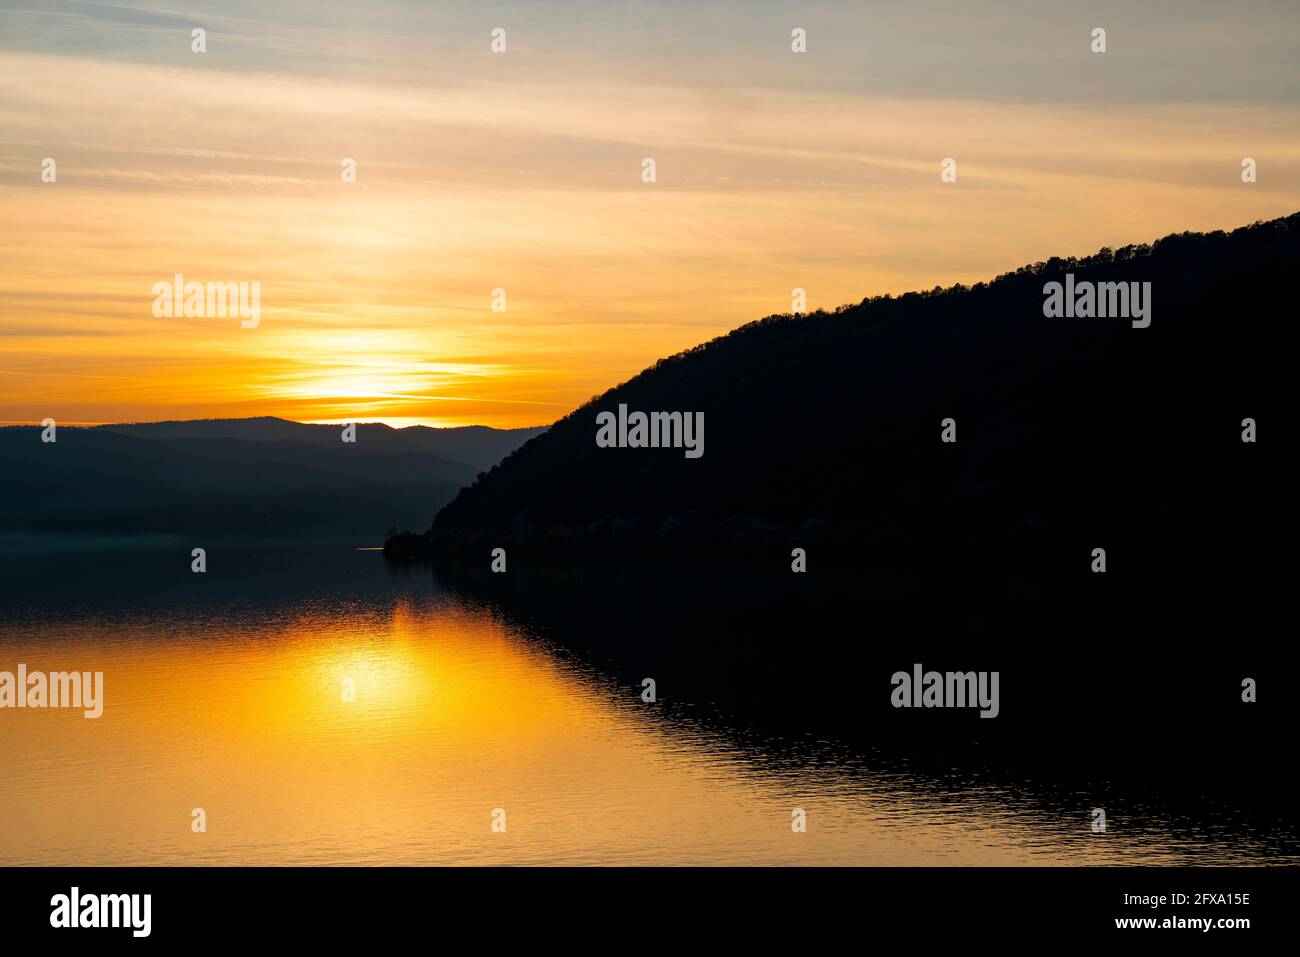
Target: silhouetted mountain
column 101, row 481
column 824, row 431
column 475, row 445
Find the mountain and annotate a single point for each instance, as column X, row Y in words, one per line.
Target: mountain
column 475, row 445
column 261, row 477
column 824, row 431
column 1077, row 441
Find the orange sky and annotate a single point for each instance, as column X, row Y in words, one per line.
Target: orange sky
column 521, row 171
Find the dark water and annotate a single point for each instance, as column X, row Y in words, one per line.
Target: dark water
column 485, row 699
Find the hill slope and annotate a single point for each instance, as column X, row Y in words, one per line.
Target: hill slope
column 825, row 429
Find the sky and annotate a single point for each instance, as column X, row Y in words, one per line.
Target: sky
column 522, row 171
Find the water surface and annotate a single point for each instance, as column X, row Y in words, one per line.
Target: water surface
column 225, row 692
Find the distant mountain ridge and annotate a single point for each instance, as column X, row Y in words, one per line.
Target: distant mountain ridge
column 263, row 477
column 477, row 445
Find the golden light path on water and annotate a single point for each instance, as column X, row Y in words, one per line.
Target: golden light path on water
column 455, row 715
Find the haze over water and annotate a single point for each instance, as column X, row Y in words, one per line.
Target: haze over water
column 224, row 692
